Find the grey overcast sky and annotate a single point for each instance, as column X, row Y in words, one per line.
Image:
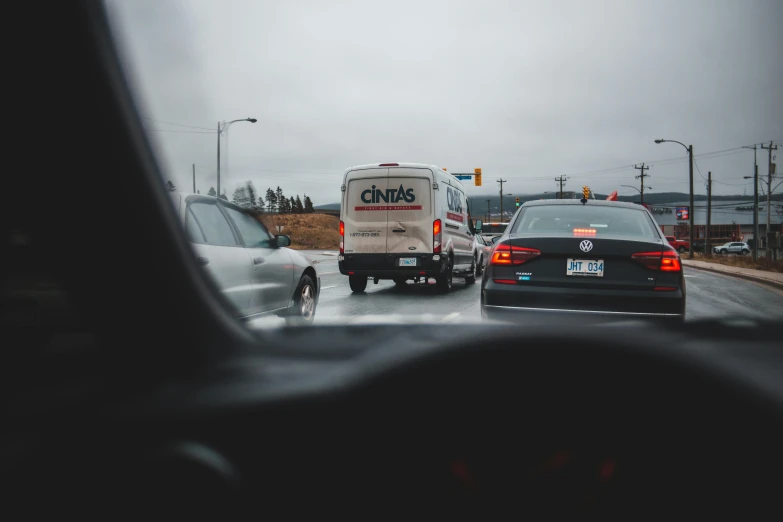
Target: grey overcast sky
column 526, row 90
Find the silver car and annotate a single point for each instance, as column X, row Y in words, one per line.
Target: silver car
column 251, row 267
column 734, row 247
column 482, row 244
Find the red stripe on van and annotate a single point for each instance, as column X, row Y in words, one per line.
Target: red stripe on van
column 454, row 217
column 389, row 207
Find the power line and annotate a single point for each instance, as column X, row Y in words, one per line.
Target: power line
column 183, row 132
column 178, row 124
column 666, row 161
column 698, row 169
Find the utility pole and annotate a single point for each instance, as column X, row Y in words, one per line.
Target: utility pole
column 641, row 177
column 690, row 209
column 489, row 214
column 501, row 181
column 561, row 180
column 218, row 163
column 755, row 203
column 194, row 178
column 707, row 249
column 755, row 207
column 770, row 148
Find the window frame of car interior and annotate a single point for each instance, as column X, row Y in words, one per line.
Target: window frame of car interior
column 108, row 376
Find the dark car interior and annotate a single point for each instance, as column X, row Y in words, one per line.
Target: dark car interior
column 130, row 391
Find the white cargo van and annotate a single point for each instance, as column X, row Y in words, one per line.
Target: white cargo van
column 404, row 221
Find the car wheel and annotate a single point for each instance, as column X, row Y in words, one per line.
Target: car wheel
column 471, row 279
column 357, row 283
column 724, row 251
column 444, row 281
column 480, row 267
column 303, row 311
column 683, row 250
column 745, row 252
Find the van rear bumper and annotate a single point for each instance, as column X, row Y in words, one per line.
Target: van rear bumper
column 387, row 266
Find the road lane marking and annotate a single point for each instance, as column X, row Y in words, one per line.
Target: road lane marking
column 330, row 286
column 327, row 273
column 449, row 317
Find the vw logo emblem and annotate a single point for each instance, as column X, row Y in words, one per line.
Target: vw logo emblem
column 586, row 245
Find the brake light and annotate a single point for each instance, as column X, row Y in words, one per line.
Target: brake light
column 505, row 254
column 670, row 261
column 584, row 232
column 505, row 281
column 389, row 165
column 666, row 261
column 436, row 236
column 342, row 237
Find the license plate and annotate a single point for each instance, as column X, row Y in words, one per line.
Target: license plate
column 585, row 267
column 407, row 261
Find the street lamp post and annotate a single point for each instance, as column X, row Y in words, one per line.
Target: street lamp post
column 637, row 190
column 689, row 148
column 219, row 130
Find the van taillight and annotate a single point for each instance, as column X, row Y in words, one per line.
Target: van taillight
column 666, row 261
column 505, row 254
column 436, row 236
column 342, row 237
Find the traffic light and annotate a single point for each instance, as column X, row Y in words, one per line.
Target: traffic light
column 477, row 177
column 585, row 192
column 517, row 201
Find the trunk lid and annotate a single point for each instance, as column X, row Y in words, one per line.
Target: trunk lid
column 613, row 255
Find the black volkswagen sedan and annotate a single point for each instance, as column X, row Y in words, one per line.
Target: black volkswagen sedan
column 603, row 258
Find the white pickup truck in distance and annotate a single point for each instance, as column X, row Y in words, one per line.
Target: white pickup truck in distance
column 404, row 221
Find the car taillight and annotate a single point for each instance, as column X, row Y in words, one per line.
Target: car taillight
column 666, row 261
column 670, row 262
column 342, row 237
column 436, row 236
column 505, row 254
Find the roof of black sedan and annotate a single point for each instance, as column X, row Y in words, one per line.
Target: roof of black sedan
column 590, row 202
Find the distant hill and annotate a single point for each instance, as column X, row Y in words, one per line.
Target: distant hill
column 653, row 198
column 478, row 204
column 330, row 206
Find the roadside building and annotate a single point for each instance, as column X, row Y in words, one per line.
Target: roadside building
column 730, row 220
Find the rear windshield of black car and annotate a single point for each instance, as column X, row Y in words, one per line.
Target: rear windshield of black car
column 582, row 220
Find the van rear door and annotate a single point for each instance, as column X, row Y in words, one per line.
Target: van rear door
column 364, row 218
column 410, row 216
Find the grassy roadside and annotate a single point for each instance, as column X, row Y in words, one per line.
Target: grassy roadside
column 740, row 261
column 307, row 231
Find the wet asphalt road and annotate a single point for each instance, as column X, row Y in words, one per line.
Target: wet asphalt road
column 709, row 295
